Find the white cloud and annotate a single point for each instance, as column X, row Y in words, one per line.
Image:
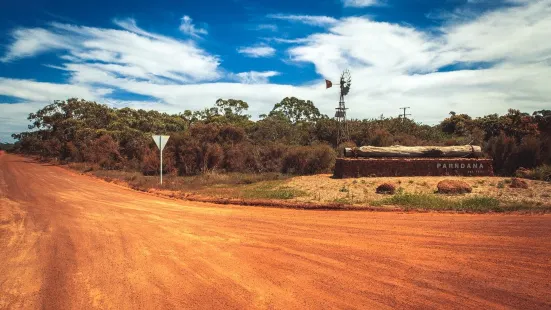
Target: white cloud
column 288, row 41
column 257, row 51
column 359, row 3
column 322, row 21
column 132, row 52
column 392, row 65
column 375, row 46
column 517, row 34
column 255, row 77
column 47, row 92
column 188, row 27
column 31, row 42
column 13, row 118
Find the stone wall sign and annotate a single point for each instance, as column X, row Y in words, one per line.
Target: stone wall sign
column 386, row 167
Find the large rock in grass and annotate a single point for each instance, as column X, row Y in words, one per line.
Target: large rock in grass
column 453, row 187
column 518, row 183
column 386, row 188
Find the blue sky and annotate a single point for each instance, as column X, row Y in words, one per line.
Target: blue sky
column 469, row 56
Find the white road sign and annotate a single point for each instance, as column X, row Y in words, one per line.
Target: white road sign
column 161, row 142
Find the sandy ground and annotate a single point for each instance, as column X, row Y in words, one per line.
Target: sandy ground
column 324, row 188
column 68, row 241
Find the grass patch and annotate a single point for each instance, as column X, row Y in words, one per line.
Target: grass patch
column 419, row 201
column 171, row 182
column 345, row 201
column 272, row 190
column 84, row 167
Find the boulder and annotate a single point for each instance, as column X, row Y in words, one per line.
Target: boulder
column 518, row 183
column 386, row 188
column 453, row 187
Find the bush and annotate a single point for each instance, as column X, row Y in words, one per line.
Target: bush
column 240, row 158
column 105, row 152
column 381, row 137
column 73, row 153
column 523, row 173
column 309, row 159
column 212, row 155
column 386, row 188
column 542, row 173
column 500, row 149
column 269, row 158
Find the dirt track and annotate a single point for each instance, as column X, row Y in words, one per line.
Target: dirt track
column 70, row 241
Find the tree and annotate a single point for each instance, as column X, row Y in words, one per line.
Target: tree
column 229, row 111
column 457, row 124
column 297, row 110
column 543, row 118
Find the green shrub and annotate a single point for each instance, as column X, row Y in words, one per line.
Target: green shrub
column 309, row 159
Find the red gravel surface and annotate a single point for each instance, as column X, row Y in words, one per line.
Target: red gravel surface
column 68, row 241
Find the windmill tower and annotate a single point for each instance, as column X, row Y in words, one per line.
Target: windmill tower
column 343, row 134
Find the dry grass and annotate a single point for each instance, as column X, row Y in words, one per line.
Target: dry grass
column 362, row 190
column 489, row 193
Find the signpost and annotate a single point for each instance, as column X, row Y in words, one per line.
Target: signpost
column 161, row 142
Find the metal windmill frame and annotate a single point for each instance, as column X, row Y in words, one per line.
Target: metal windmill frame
column 343, row 135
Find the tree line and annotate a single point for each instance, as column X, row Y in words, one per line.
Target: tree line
column 294, row 137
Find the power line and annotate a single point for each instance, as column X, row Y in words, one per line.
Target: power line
column 403, row 115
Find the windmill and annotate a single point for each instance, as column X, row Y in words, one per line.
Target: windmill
column 340, row 115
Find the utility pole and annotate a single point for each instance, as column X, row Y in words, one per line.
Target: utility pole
column 403, row 115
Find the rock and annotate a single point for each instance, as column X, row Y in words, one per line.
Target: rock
column 518, row 183
column 453, row 187
column 523, row 173
column 386, row 188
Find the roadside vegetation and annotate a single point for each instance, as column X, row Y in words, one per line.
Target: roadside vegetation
column 6, row 146
column 476, row 204
column 221, row 151
column 293, row 138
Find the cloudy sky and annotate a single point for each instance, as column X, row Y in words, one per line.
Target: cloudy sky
column 435, row 56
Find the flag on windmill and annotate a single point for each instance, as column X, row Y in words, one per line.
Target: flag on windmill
column 328, row 84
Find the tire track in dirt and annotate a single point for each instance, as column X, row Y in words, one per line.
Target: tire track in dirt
column 73, row 242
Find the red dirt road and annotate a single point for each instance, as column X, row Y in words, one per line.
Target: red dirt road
column 72, row 242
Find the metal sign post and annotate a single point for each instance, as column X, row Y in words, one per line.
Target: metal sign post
column 161, row 142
